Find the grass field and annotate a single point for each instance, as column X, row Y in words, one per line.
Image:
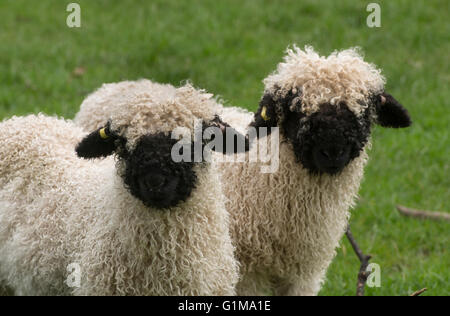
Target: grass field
column 228, row 47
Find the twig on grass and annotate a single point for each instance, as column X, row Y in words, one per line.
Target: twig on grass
column 419, row 292
column 364, row 259
column 422, row 214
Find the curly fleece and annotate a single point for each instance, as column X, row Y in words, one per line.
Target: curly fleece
column 143, row 107
column 343, row 76
column 286, row 225
column 57, row 209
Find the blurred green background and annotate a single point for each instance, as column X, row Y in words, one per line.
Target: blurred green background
column 228, row 47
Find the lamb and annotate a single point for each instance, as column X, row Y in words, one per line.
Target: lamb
column 324, row 108
column 286, row 225
column 139, row 224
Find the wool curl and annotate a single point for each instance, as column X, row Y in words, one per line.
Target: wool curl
column 343, row 76
column 143, row 107
column 57, row 209
column 286, row 225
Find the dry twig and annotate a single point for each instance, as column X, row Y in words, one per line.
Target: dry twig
column 364, row 259
column 422, row 214
column 419, row 292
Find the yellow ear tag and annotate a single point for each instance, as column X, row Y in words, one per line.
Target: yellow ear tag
column 103, row 134
column 264, row 114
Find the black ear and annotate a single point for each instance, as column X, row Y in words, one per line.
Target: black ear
column 100, row 143
column 232, row 141
column 266, row 115
column 390, row 113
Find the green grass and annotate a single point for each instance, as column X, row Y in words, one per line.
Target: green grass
column 228, row 47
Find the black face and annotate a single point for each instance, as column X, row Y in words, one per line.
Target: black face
column 326, row 141
column 151, row 175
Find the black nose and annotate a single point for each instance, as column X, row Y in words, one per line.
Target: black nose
column 153, row 180
column 331, row 158
column 158, row 189
column 332, row 153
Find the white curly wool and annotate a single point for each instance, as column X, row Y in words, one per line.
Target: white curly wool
column 285, row 225
column 97, row 104
column 153, row 108
column 57, row 209
column 341, row 76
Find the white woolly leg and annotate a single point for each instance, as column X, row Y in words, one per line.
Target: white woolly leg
column 262, row 284
column 298, row 287
column 254, row 284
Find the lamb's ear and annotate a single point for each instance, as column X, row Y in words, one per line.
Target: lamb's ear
column 100, row 143
column 390, row 113
column 265, row 116
column 232, row 141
